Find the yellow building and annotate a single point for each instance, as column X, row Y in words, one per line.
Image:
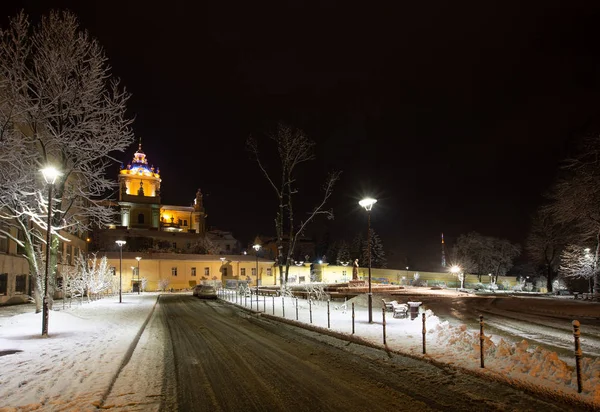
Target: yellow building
column 184, row 271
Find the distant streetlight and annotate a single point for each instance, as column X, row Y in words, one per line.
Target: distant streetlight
column 456, row 270
column 120, row 243
column 50, row 175
column 256, row 248
column 138, row 258
column 368, row 203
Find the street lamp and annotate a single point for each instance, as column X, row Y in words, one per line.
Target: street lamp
column 368, row 203
column 456, row 270
column 120, row 243
column 256, row 248
column 50, row 175
column 138, row 258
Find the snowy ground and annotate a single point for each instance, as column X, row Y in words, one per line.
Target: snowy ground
column 91, row 344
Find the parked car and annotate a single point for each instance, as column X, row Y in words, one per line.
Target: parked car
column 205, row 292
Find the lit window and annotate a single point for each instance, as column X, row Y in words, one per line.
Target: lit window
column 173, row 271
column 253, row 271
column 193, row 271
column 243, row 271
column 269, row 273
column 206, row 271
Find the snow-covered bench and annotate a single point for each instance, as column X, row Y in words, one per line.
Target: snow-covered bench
column 399, row 309
column 388, row 305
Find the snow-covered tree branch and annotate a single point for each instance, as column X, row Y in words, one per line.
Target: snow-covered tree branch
column 60, row 106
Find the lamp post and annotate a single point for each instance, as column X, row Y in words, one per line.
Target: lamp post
column 256, row 247
column 138, row 258
column 120, row 243
column 368, row 203
column 455, row 269
column 50, row 174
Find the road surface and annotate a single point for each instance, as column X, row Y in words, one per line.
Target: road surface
column 224, row 359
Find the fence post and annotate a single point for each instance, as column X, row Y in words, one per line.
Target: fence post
column 424, row 332
column 296, row 308
column 251, row 300
column 245, row 299
column 264, row 304
column 328, row 318
column 310, row 309
column 578, row 354
column 283, row 306
column 383, row 313
column 353, row 318
column 481, row 338
column 273, row 297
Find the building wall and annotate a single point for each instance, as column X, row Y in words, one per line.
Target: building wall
column 177, row 269
column 339, row 274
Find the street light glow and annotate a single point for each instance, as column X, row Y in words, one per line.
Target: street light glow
column 455, row 269
column 50, row 174
column 367, row 203
column 256, row 247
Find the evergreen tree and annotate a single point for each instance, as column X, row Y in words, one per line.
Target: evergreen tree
column 377, row 253
column 356, row 248
column 343, row 252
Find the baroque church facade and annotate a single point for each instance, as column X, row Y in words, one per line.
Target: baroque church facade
column 148, row 225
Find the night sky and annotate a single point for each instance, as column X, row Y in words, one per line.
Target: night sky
column 454, row 115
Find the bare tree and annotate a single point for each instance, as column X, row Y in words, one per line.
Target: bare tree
column 293, row 149
column 577, row 262
column 484, row 255
column 545, row 242
column 576, row 196
column 59, row 105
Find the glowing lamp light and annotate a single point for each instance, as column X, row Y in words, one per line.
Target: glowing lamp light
column 367, row 203
column 50, row 174
column 455, row 269
column 256, row 247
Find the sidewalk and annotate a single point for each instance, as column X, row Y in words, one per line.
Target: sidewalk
column 74, row 368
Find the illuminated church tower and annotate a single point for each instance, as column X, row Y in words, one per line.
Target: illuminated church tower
column 140, row 206
column 139, row 193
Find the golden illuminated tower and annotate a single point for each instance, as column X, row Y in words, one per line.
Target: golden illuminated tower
column 139, row 193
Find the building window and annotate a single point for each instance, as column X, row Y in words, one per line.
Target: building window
column 228, row 247
column 20, row 282
column 269, row 272
column 253, row 271
column 224, row 270
column 113, row 270
column 3, row 283
column 173, row 271
column 69, row 255
column 3, row 238
column 185, row 223
column 141, row 218
column 206, row 271
column 302, row 279
column 179, row 222
column 193, row 271
column 174, row 244
column 242, row 271
column 20, row 236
